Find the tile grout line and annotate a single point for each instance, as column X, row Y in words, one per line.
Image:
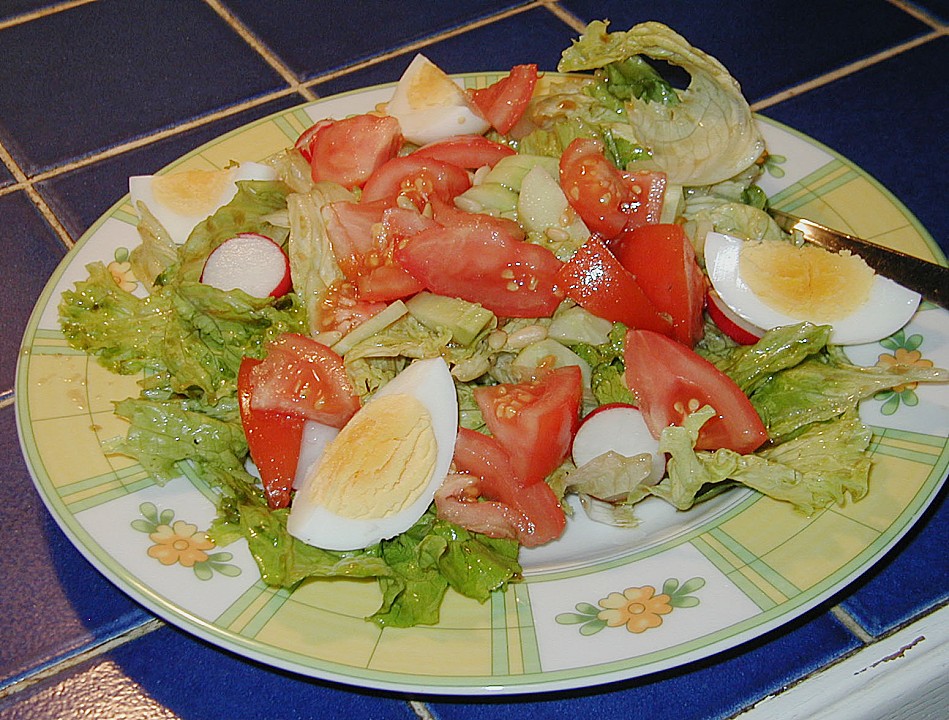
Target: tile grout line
column 421, row 709
column 419, row 44
column 44, row 12
column 917, row 13
column 844, row 71
column 260, row 48
column 24, row 183
column 849, row 622
column 72, row 661
column 553, row 6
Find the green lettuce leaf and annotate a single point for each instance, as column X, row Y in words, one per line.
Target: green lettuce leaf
column 608, row 368
column 824, row 386
column 706, row 137
column 814, row 470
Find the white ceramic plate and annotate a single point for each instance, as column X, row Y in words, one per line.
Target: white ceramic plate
column 590, row 608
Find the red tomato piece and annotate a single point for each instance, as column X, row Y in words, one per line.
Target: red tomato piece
column 304, row 142
column 416, row 178
column 273, row 439
column 597, row 281
column 504, row 102
column 342, row 310
column 647, row 191
column 594, row 187
column 466, row 151
column 482, row 264
column 450, row 216
column 363, row 241
column 534, row 421
column 349, row 151
column 482, row 456
column 670, row 380
column 662, row 261
column 303, row 377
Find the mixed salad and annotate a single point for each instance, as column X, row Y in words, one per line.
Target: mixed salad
column 396, row 351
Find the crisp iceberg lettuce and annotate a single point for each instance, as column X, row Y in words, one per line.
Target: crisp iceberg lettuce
column 709, row 135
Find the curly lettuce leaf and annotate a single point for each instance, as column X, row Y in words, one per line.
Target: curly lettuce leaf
column 814, row 470
column 824, row 386
column 608, row 368
column 706, row 137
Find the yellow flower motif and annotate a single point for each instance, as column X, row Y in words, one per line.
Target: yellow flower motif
column 903, row 358
column 123, row 275
column 179, row 543
column 638, row 608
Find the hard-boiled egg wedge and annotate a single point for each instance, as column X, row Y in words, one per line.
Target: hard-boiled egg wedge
column 180, row 200
column 379, row 475
column 430, row 106
column 774, row 283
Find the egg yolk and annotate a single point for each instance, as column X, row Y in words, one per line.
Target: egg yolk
column 805, row 281
column 380, row 462
column 191, row 192
column 430, row 87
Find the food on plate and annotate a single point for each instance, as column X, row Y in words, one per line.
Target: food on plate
column 496, row 302
column 772, row 283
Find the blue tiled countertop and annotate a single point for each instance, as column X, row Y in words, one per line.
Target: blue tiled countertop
column 92, row 92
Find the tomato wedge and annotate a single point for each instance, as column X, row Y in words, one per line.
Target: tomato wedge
column 594, row 187
column 670, row 380
column 504, row 102
column 349, row 151
column 482, row 456
column 417, row 179
column 273, row 439
column 363, row 239
column 648, row 191
column 466, row 151
column 534, row 421
column 342, row 310
column 661, row 259
column 307, row 137
column 304, row 377
column 483, row 264
column 597, row 281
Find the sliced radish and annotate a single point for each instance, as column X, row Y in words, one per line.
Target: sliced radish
column 621, row 428
column 315, row 438
column 737, row 328
column 249, row 262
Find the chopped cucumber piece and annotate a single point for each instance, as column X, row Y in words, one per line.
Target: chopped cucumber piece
column 510, row 171
column 542, row 207
column 551, row 353
column 463, row 319
column 490, row 198
column 576, row 325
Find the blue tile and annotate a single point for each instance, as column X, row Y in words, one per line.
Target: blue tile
column 534, row 36
column 857, row 116
column 937, row 9
column 80, row 197
column 54, row 602
column 104, row 73
column 769, row 47
column 310, row 46
column 29, row 252
column 911, row 580
column 168, row 674
column 6, row 177
column 13, row 8
column 717, row 687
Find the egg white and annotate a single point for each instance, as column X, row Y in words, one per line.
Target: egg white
column 430, row 106
column 888, row 307
column 430, row 382
column 180, row 223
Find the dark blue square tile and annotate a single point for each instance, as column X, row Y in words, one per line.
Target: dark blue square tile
column 770, row 46
column 937, row 9
column 80, row 197
column 717, row 687
column 534, row 36
column 167, row 674
column 6, row 177
column 313, row 41
column 913, row 579
column 29, row 252
column 54, row 602
column 856, row 115
column 104, row 73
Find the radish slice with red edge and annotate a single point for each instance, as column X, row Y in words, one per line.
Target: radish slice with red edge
column 621, row 428
column 737, row 328
column 249, row 262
